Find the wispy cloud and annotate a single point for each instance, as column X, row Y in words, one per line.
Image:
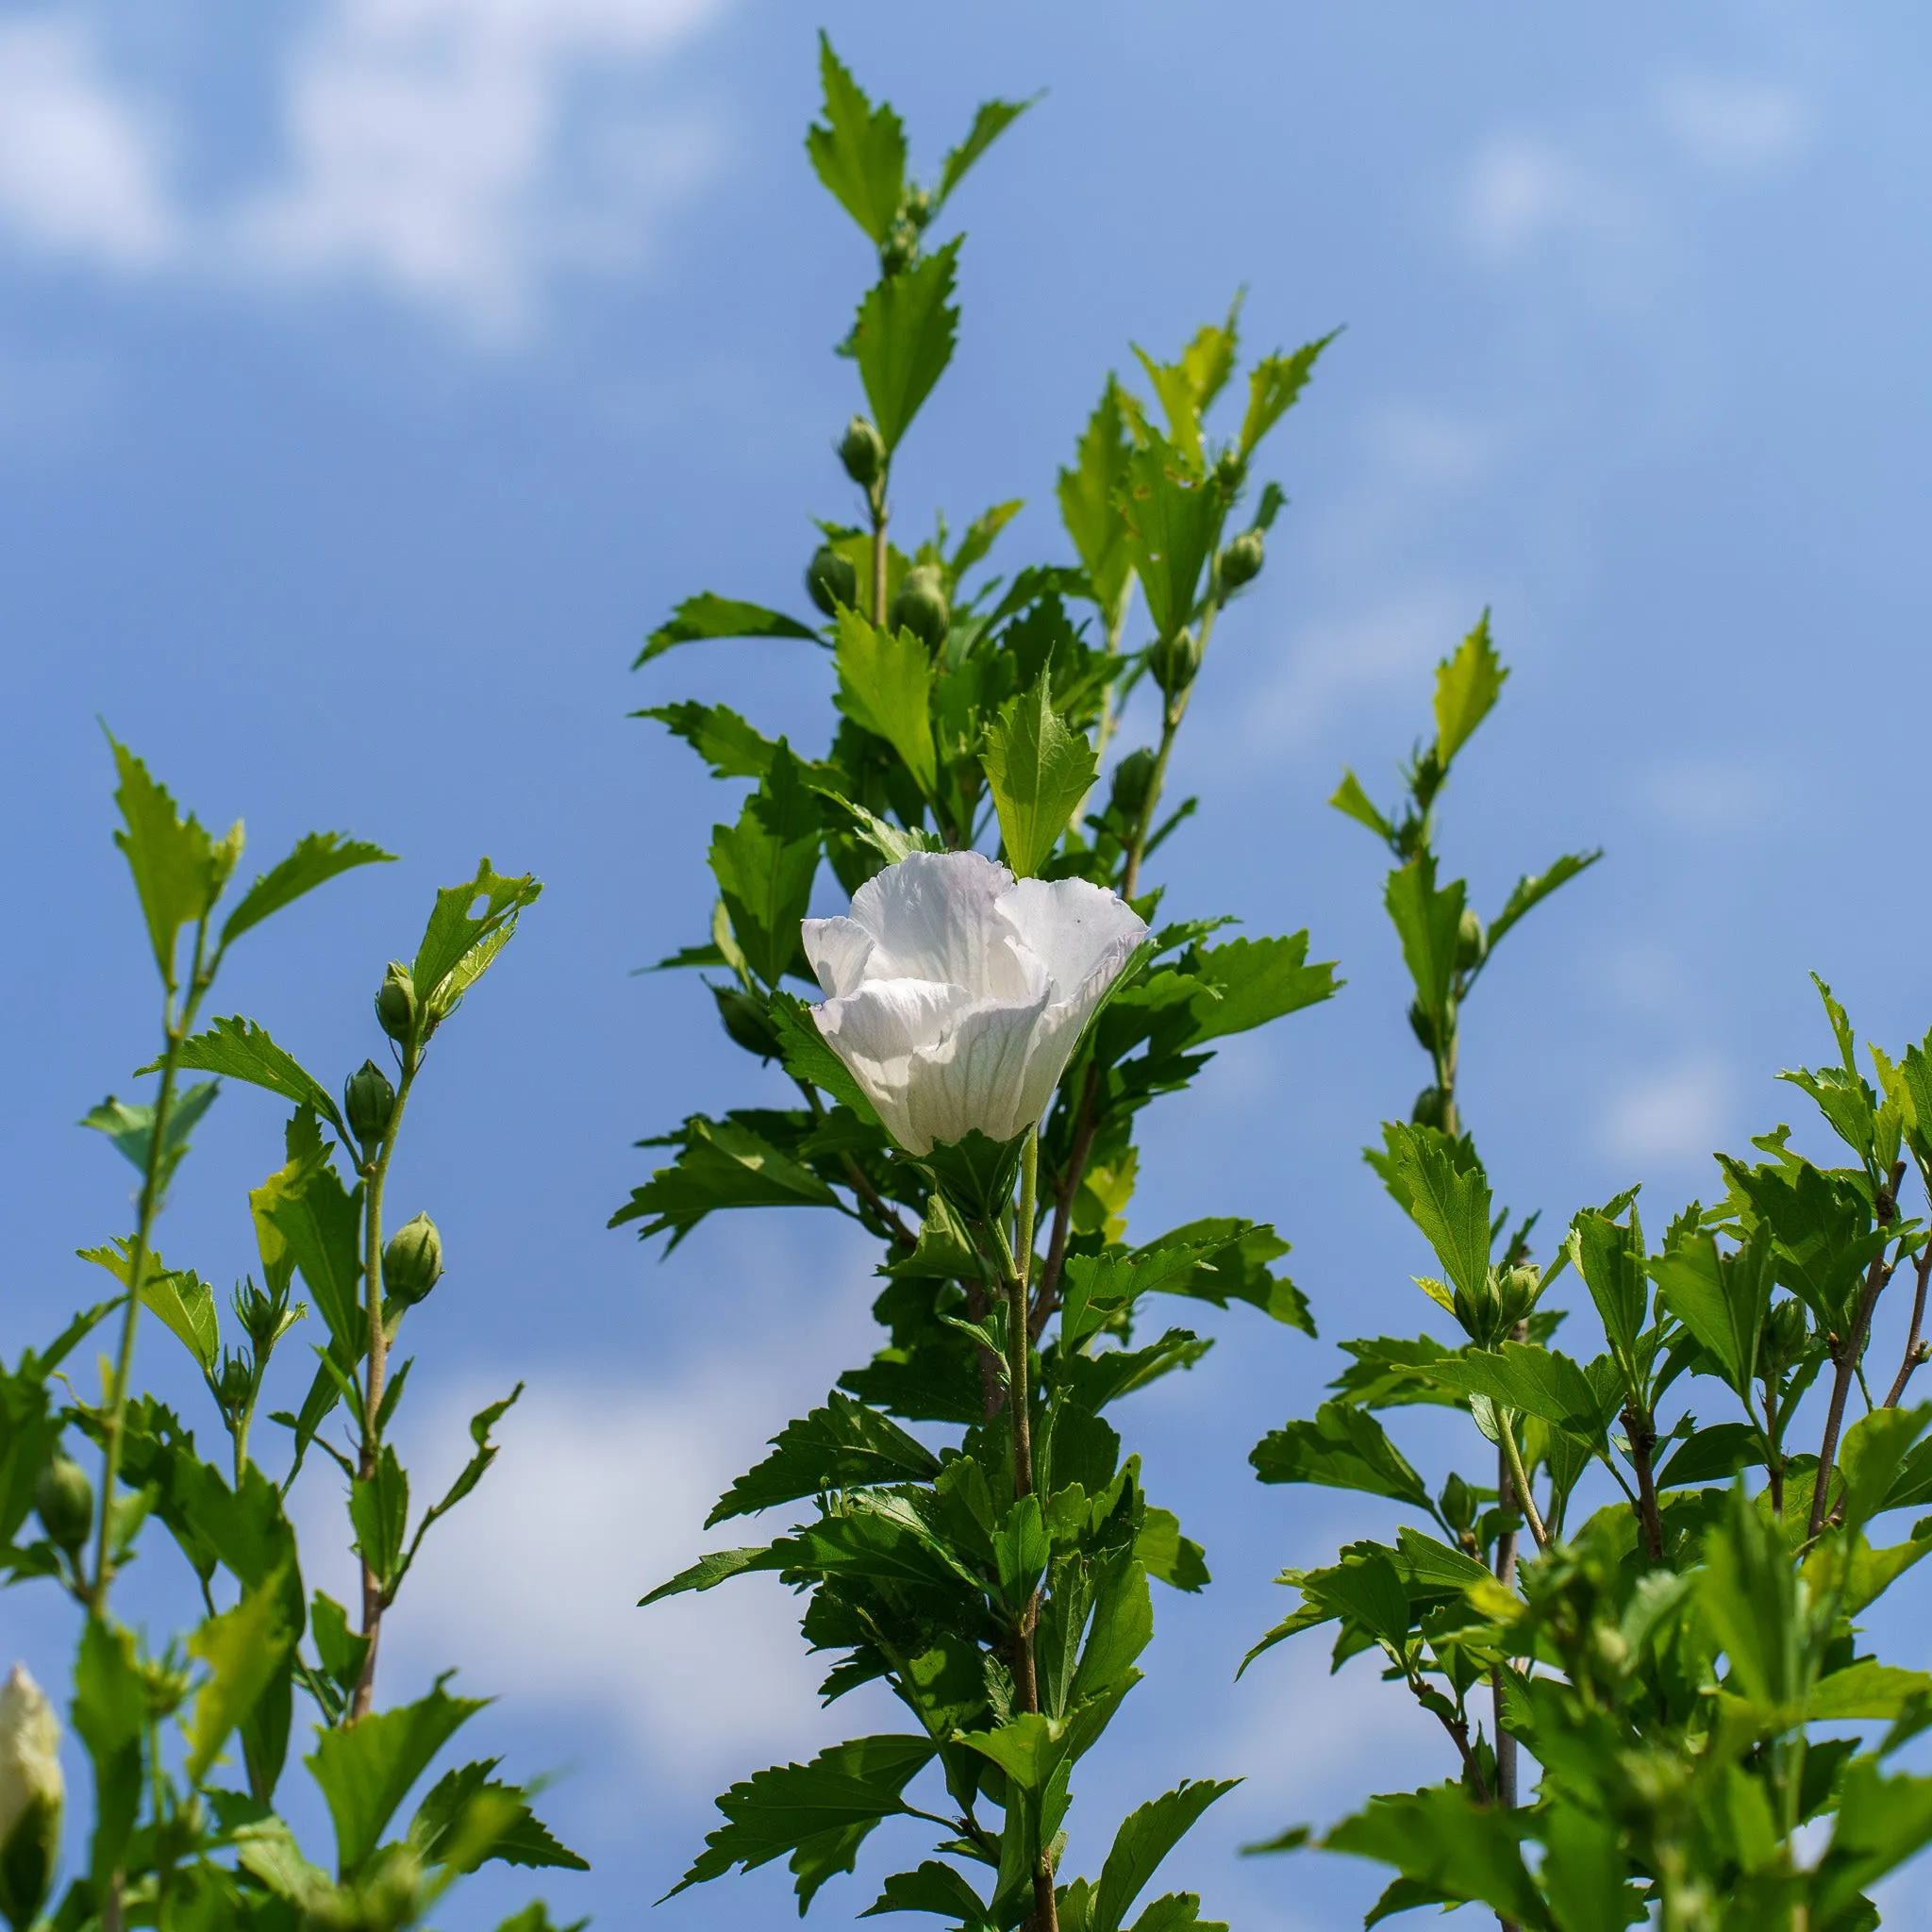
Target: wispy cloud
column 1675, row 1114
column 81, row 162
column 456, row 154
column 1733, row 122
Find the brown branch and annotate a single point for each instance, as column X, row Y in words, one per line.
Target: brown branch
column 1641, row 1432
column 1876, row 1275
column 1915, row 1349
column 879, row 1204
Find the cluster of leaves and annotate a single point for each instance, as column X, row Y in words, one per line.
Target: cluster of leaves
column 1006, row 1615
column 1663, row 1660
column 188, row 1743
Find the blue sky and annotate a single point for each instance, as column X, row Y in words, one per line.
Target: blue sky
column 375, row 373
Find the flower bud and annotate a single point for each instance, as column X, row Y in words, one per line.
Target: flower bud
column 1127, row 799
column 368, row 1101
column 395, row 1003
column 1174, row 662
column 1422, row 1023
column 830, row 580
column 922, row 606
column 1785, row 1335
column 64, row 1501
column 916, row 208
column 412, row 1263
column 1242, row 562
column 1459, row 1503
column 1517, row 1289
column 31, row 1792
column 1471, row 940
column 900, row 247
column 1230, row 470
column 862, row 450
column 1431, row 1109
column 746, row 1021
column 238, row 1381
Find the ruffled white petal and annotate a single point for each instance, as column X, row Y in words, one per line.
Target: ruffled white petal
column 956, row 997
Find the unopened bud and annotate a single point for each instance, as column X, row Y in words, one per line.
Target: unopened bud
column 900, row 247
column 368, row 1102
column 922, row 606
column 862, row 450
column 1785, row 1334
column 412, row 1263
column 831, row 580
column 31, row 1793
column 1459, row 1503
column 1128, row 796
column 1431, row 1109
column 1174, row 662
column 238, row 1381
column 64, row 1501
column 1471, row 940
column 1230, row 469
column 1422, row 1023
column 1242, row 562
column 916, row 208
column 395, row 1003
column 746, row 1021
column 1517, row 1293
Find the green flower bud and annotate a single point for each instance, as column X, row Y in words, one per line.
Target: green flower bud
column 1242, row 562
column 922, row 606
column 1423, row 1025
column 1516, row 1294
column 1471, row 940
column 862, row 450
column 1785, row 1336
column 395, row 1003
column 412, row 1263
column 1459, row 1503
column 899, row 249
column 830, row 580
column 1431, row 1109
column 237, row 1382
column 746, row 1021
column 64, row 1501
column 32, row 1795
column 1230, row 471
column 1175, row 661
column 1128, row 798
column 368, row 1101
column 916, row 208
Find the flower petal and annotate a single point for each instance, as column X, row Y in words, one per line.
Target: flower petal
column 837, row 950
column 878, row 1030
column 980, row 1075
column 932, row 916
column 1072, row 927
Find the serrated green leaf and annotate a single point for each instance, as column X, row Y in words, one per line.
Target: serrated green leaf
column 1533, row 888
column 859, row 151
column 466, row 921
column 731, row 747
column 903, row 338
column 1353, row 802
column 317, row 859
column 379, row 1513
column 178, row 869
column 1173, row 517
column 721, row 1164
column 468, row 1818
column 1342, row 1448
column 1090, row 505
column 1249, row 982
column 242, row 1648
column 1275, row 385
column 990, row 120
column 1429, row 921
column 240, row 1050
column 1444, row 1838
column 765, row 865
column 1145, row 1839
column 843, row 1445
column 885, row 687
column 1038, row 770
column 1449, row 1200
column 129, row 1124
column 184, row 1302
column 709, row 615
column 1467, row 687
column 1187, row 387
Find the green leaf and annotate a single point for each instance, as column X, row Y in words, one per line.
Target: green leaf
column 1274, row 384
column 708, row 1571
column 1038, row 770
column 844, row 1445
column 1353, row 802
column 1429, row 921
column 1610, row 1257
column 903, row 338
column 1177, row 1560
column 1145, row 1837
column 1867, row 1690
column 1173, row 516
column 380, row 1512
column 1122, row 1628
column 846, row 1791
column 1712, row 1455
column 184, row 1302
column 1533, row 889
column 243, row 1648
column 305, row 1218
column 178, row 870
column 858, row 150
column 709, row 615
column 1881, row 1823
column 1720, row 1298
column 1533, row 1381
column 731, row 747
column 1442, row 1839
column 989, row 122
column 111, row 1715
column 1585, row 1873
column 240, row 1050
column 130, row 1125
column 1467, row 688
column 365, row 1770
column 465, row 932
column 535, row 1917
column 1449, row 1200
column 981, row 535
column 885, row 687
column 807, row 1058
column 936, row 1889
column 1250, row 982
column 1089, row 499
column 468, row 1818
column 1239, row 1271
column 317, row 859
column 1186, row 388
column 765, row 865
column 1342, row 1448
column 1870, row 1457
column 721, row 1164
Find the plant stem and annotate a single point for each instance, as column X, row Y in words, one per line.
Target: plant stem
column 1641, row 1432
column 1085, row 1126
column 876, row 498
column 374, row 1174
column 1045, row 1917
column 1176, row 709
column 175, row 1025
column 1526, row 1501
column 1854, row 1346
column 1915, row 1350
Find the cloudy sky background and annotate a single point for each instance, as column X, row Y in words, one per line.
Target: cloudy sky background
column 374, row 372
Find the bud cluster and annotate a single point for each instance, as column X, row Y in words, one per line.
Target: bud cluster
column 1506, row 1297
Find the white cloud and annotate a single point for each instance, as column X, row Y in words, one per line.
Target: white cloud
column 81, row 163
column 1736, row 123
column 1677, row 1114
column 1517, row 190
column 431, row 148
column 1715, row 793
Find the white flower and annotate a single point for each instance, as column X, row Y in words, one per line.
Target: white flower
column 30, row 1795
column 957, row 996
